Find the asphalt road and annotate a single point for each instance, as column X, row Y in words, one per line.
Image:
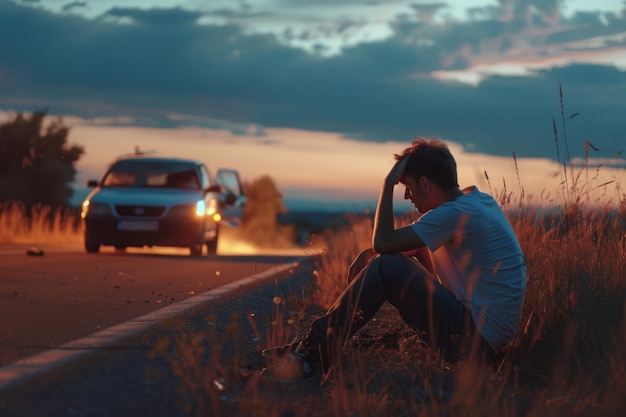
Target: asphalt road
column 146, row 298
column 66, row 294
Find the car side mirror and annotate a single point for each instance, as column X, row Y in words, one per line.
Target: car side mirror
column 92, row 183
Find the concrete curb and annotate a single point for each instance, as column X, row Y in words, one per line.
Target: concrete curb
column 49, row 360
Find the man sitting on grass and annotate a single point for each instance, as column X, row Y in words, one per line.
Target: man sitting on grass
column 457, row 275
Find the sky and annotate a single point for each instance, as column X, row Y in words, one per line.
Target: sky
column 319, row 95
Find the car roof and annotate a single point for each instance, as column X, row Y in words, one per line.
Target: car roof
column 156, row 159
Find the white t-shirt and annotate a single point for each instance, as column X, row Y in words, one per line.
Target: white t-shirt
column 477, row 256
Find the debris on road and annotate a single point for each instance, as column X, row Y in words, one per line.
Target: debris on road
column 35, row 251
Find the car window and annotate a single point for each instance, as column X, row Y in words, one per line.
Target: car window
column 206, row 177
column 229, row 179
column 161, row 174
column 120, row 179
column 185, row 179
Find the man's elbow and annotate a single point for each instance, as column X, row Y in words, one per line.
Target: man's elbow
column 375, row 245
column 380, row 246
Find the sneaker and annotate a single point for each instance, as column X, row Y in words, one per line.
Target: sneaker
column 293, row 368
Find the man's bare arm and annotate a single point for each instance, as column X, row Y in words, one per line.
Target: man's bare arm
column 386, row 238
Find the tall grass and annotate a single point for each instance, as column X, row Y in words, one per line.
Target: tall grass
column 41, row 224
column 572, row 339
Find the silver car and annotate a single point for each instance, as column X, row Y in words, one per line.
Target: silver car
column 153, row 201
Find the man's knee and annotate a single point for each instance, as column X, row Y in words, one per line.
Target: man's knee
column 392, row 261
column 360, row 262
column 400, row 273
column 393, row 266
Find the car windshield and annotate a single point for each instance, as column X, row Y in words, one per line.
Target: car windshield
column 157, row 174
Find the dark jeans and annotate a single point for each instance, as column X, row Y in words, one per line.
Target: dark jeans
column 425, row 305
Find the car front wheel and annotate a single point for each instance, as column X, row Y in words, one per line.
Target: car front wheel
column 211, row 246
column 195, row 250
column 91, row 246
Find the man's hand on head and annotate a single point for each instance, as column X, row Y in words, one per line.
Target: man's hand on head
column 397, row 171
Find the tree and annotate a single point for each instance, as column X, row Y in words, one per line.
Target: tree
column 36, row 163
column 259, row 225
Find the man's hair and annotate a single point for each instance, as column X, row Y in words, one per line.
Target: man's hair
column 432, row 159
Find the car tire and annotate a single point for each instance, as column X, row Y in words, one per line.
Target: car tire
column 195, row 250
column 91, row 246
column 211, row 246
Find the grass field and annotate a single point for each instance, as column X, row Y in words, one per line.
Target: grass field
column 569, row 354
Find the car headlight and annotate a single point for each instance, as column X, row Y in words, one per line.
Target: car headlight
column 200, row 208
column 212, row 211
column 94, row 209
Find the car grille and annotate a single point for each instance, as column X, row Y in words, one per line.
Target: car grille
column 184, row 211
column 139, row 211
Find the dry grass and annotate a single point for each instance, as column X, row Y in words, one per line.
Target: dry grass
column 41, row 225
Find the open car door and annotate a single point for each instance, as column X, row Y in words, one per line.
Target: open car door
column 232, row 196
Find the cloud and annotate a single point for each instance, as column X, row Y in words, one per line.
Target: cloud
column 74, row 5
column 166, row 62
column 244, row 13
column 156, row 17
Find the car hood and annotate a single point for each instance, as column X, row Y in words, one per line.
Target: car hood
column 144, row 196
